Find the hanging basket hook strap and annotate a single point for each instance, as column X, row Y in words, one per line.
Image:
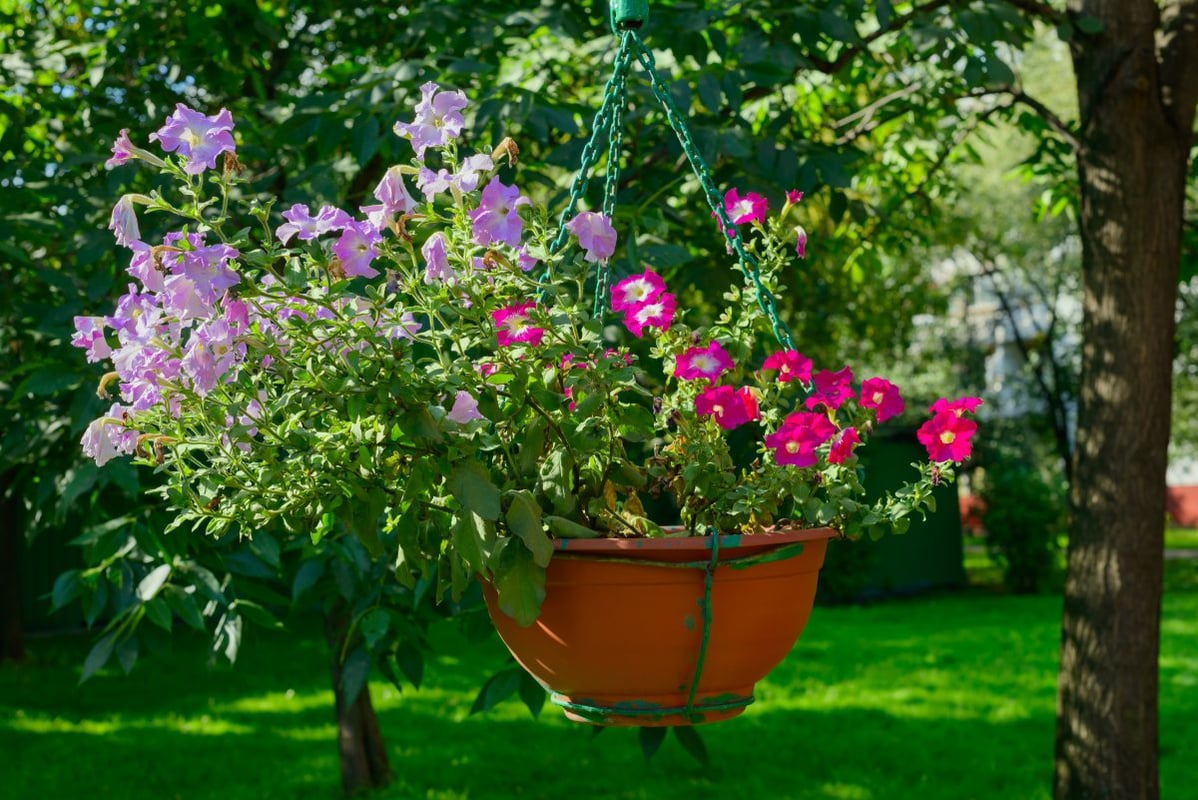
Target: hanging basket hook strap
column 708, row 580
column 609, row 113
column 746, row 262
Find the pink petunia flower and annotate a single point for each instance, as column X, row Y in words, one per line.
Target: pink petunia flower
column 791, row 365
column 882, row 395
column 947, row 435
column 465, row 408
column 438, row 119
column 514, row 327
column 842, row 447
column 700, row 363
column 962, row 405
column 636, row 290
column 793, row 196
column 831, row 389
column 658, row 313
column 794, row 443
column 730, row 407
column 750, row 208
column 197, row 138
column 357, row 248
column 496, row 218
column 800, row 241
column 596, row 236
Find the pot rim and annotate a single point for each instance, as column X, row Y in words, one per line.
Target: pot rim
column 770, row 538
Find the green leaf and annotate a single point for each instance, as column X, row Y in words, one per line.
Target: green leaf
column 471, row 486
column 160, row 613
column 411, row 662
column 98, row 656
column 692, row 743
column 66, row 589
column 151, row 583
column 306, row 577
column 528, row 458
column 498, row 688
column 374, row 625
column 532, row 693
column 256, row 614
column 184, row 605
column 126, row 654
column 569, row 529
column 519, row 581
column 524, row 520
column 469, row 532
column 354, row 672
column 556, row 480
column 651, row 739
column 1089, row 24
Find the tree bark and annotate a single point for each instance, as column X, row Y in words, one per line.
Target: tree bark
column 1135, row 133
column 364, row 763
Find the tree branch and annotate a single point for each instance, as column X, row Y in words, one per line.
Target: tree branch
column 1049, row 116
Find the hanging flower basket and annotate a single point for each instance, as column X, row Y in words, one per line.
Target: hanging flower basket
column 672, row 631
column 440, row 384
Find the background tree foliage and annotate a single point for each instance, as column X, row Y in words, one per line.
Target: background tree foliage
column 864, row 105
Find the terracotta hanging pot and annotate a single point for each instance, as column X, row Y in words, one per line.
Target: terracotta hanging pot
column 620, row 636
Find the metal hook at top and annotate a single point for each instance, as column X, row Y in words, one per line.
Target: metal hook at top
column 628, row 14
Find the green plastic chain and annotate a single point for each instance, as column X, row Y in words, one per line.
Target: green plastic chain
column 626, row 17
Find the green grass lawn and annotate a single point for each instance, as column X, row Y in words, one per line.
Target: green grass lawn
column 1181, row 538
column 943, row 697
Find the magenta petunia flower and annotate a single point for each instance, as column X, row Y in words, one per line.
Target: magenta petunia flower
column 842, row 446
column 197, row 138
column 122, row 150
column 657, row 313
column 496, row 218
column 729, row 407
column 883, row 395
column 436, row 259
column 393, row 199
column 962, row 405
column 947, row 435
column 800, row 241
column 793, row 196
column 512, row 326
column 636, row 290
column 703, row 363
column 596, row 236
column 356, row 248
column 750, row 208
column 123, row 223
column 438, row 119
column 831, row 389
column 790, row 364
column 794, row 443
column 301, row 223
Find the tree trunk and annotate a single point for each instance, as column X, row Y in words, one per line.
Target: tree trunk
column 12, row 635
column 364, row 763
column 1135, row 134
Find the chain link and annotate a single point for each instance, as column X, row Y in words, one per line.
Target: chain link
column 615, row 147
column 746, row 262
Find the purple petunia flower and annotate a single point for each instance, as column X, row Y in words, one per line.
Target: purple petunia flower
column 198, row 138
column 123, row 223
column 472, row 167
column 595, row 235
column 122, row 150
column 465, row 409
column 437, row 269
column 393, row 199
column 356, row 248
column 301, row 223
column 496, row 218
column 432, row 183
column 107, row 437
column 89, row 334
column 438, row 119
column 211, row 352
